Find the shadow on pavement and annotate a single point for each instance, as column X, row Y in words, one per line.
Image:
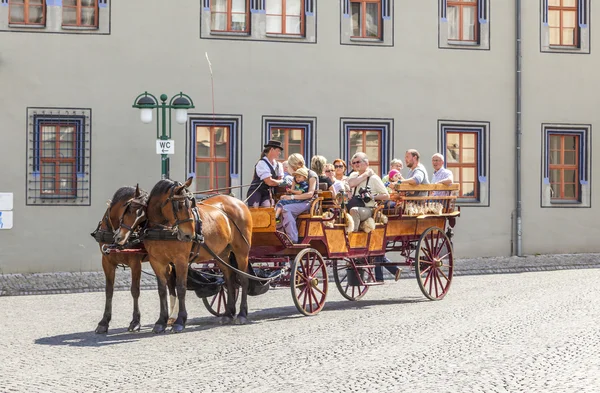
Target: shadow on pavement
column 121, row 335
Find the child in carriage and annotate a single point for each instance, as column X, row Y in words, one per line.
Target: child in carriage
column 299, row 186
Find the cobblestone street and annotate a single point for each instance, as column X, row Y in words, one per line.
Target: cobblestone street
column 529, row 332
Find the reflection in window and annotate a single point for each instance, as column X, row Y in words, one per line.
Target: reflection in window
column 230, row 15
column 285, row 17
column 461, row 159
column 27, row 12
column 292, row 140
column 58, row 156
column 81, row 13
column 564, row 166
column 462, row 20
column 562, row 22
column 212, row 158
column 366, row 19
column 368, row 142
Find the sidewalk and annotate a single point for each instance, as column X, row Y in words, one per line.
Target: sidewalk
column 52, row 283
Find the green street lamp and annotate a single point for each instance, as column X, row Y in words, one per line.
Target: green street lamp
column 146, row 102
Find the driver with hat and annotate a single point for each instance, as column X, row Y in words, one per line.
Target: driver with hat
column 268, row 173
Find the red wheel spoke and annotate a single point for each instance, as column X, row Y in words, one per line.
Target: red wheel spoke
column 443, row 274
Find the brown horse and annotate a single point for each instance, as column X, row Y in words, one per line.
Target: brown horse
column 226, row 229
column 123, row 198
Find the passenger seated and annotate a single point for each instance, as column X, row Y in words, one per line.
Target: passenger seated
column 299, row 186
column 359, row 207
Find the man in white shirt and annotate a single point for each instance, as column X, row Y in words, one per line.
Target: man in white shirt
column 441, row 175
column 362, row 177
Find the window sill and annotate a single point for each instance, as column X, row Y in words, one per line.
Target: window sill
column 564, row 202
column 564, row 47
column 79, row 27
column 290, row 36
column 361, row 39
column 463, row 43
column 230, row 33
column 24, row 25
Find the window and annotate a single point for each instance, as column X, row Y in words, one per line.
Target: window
column 212, row 157
column 230, row 16
column 565, row 26
column 462, row 20
column 367, row 22
column 56, row 16
column 59, row 158
column 565, row 177
column 464, row 24
column 461, row 159
column 212, row 147
column 465, row 148
column 562, row 22
column 370, row 137
column 27, row 12
column 366, row 18
column 259, row 20
column 285, row 17
column 291, row 138
column 295, row 133
column 80, row 13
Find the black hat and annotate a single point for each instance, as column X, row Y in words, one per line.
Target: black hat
column 275, row 144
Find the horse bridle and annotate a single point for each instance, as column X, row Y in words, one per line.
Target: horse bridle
column 140, row 213
column 175, row 200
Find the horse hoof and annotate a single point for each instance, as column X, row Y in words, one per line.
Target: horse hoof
column 170, row 321
column 226, row 320
column 177, row 328
column 134, row 326
column 159, row 328
column 101, row 329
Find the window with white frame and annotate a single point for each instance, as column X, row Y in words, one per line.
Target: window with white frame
column 465, row 147
column 566, row 165
column 374, row 137
column 259, row 20
column 464, row 24
column 212, row 146
column 296, row 134
column 367, row 22
column 55, row 16
column 59, row 149
column 565, row 26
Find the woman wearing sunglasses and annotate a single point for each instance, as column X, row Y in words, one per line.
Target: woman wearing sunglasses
column 340, row 169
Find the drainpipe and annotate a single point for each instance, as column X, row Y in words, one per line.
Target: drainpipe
column 518, row 131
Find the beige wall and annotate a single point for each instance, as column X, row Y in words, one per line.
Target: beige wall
column 414, row 82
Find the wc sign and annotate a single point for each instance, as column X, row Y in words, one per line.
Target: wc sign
column 165, row 147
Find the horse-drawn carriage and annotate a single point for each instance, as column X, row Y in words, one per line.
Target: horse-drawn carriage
column 417, row 229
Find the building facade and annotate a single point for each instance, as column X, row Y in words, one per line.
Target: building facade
column 328, row 77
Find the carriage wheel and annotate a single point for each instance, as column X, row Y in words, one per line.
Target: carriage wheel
column 216, row 304
column 347, row 278
column 434, row 263
column 308, row 281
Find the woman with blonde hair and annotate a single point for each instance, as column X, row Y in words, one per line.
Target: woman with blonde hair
column 290, row 212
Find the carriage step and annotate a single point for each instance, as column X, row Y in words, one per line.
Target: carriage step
column 372, row 284
column 363, row 267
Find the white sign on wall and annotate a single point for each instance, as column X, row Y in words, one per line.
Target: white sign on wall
column 165, row 147
column 6, row 200
column 6, row 220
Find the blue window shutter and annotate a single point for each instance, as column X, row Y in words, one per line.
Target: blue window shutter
column 482, row 10
column 545, row 12
column 346, row 8
column 443, row 10
column 582, row 11
column 386, row 12
column 309, row 7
